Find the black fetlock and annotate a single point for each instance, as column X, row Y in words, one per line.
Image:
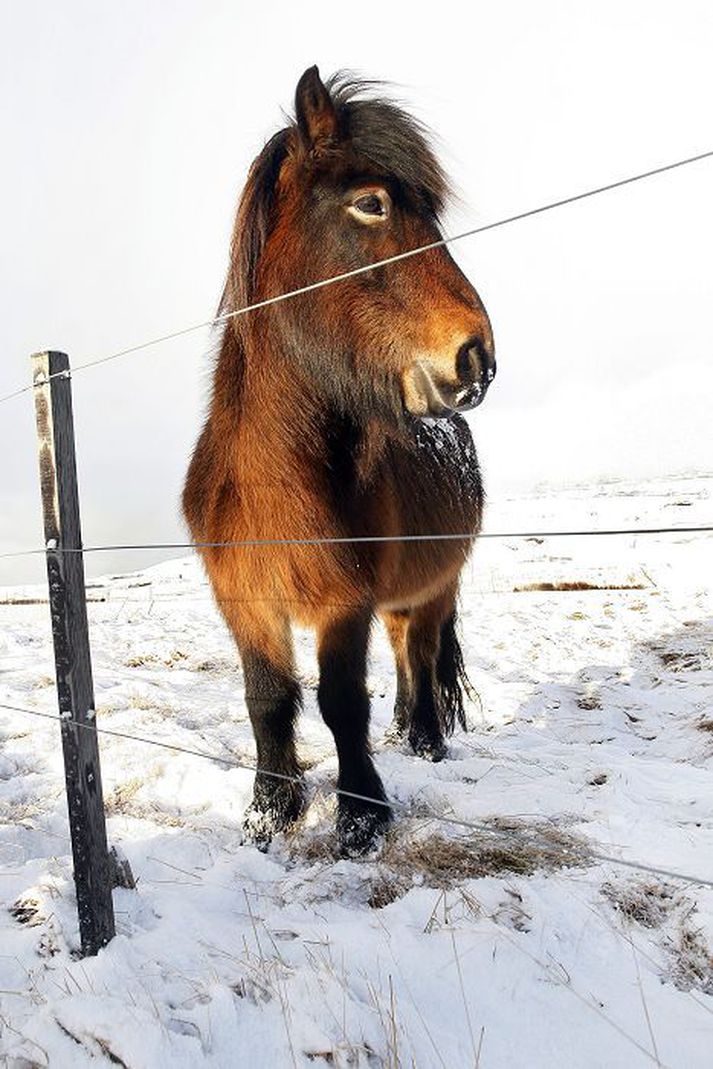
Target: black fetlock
column 362, row 820
column 273, row 700
column 434, row 751
column 425, row 731
column 428, row 744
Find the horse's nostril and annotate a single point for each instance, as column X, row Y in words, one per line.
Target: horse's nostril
column 475, row 363
column 464, row 362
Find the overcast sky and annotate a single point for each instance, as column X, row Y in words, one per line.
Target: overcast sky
column 127, row 130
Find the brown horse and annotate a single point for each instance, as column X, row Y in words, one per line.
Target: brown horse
column 334, row 417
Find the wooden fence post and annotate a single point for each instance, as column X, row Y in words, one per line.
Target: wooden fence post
column 68, row 610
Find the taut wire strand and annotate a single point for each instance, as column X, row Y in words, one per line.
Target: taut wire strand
column 448, row 240
column 586, row 851
column 464, row 536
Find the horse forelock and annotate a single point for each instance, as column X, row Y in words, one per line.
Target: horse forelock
column 397, row 145
column 374, row 131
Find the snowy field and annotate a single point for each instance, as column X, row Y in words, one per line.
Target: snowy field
column 593, row 731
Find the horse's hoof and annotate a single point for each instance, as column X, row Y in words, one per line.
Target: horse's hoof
column 429, row 747
column 259, row 827
column 359, row 830
column 270, row 813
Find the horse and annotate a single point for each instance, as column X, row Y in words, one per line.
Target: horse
column 334, row 449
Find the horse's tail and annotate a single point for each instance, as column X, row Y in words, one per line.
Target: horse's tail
column 451, row 677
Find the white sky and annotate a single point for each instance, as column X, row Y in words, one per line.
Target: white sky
column 127, row 131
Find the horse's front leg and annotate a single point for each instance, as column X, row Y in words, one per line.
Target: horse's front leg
column 273, row 699
column 272, row 695
column 344, row 704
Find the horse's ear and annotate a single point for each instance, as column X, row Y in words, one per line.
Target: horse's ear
column 314, row 110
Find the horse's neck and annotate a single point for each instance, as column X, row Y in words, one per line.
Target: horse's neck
column 293, row 430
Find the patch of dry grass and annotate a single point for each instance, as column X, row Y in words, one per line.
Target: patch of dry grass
column 682, row 660
column 385, row 888
column 313, row 838
column 149, row 704
column 508, row 847
column 682, row 653
column 91, row 1043
column 142, row 701
column 412, row 856
column 28, row 909
column 122, row 801
column 44, row 681
column 120, row 798
column 153, row 814
column 20, row 813
column 139, row 660
column 692, row 960
column 654, row 905
column 575, row 585
column 645, row 902
column 219, row 666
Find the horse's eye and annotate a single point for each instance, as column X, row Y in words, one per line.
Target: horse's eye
column 370, row 207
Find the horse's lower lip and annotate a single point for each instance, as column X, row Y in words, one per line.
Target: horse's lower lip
column 470, row 398
column 446, row 407
column 471, row 401
column 438, row 400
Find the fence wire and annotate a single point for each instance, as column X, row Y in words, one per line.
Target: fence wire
column 516, row 836
column 419, row 250
column 460, row 536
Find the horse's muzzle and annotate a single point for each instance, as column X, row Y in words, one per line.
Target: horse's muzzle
column 434, row 397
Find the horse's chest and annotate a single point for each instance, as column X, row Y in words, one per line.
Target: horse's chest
column 391, row 504
column 426, row 482
column 437, row 480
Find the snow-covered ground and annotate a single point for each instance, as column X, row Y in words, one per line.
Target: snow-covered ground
column 594, row 720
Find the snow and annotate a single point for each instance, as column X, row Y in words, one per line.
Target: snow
column 594, row 719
